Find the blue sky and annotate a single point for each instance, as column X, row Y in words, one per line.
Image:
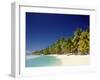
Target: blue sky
column 42, row 29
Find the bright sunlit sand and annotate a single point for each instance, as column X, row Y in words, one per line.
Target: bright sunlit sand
column 74, row 59
column 57, row 60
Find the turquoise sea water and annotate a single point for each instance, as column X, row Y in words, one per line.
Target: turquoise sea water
column 42, row 61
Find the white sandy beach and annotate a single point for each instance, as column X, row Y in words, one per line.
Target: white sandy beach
column 69, row 60
column 74, row 59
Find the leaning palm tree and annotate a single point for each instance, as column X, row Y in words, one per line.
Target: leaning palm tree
column 84, row 43
column 75, row 40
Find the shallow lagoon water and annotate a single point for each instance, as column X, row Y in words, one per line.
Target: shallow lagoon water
column 42, row 60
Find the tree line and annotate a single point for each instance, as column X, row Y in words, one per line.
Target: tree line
column 78, row 44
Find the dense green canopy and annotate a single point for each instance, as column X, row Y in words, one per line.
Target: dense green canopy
column 78, row 44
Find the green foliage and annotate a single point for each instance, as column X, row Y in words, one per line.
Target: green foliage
column 46, row 51
column 84, row 43
column 58, row 49
column 77, row 45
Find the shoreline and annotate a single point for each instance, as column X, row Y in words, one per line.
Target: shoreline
column 68, row 59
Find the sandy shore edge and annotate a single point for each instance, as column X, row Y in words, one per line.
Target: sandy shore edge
column 68, row 60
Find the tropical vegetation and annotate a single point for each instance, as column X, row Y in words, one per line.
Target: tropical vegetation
column 78, row 44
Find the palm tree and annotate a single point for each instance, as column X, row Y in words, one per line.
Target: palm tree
column 84, row 43
column 78, row 44
column 68, row 46
column 76, row 40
